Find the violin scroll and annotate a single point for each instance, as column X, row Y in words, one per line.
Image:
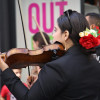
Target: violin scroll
column 3, row 56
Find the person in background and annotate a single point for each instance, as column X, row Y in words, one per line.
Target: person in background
column 5, row 93
column 93, row 20
column 38, row 43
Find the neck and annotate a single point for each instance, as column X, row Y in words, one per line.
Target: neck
column 68, row 44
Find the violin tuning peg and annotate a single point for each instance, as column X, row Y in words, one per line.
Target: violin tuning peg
column 55, row 51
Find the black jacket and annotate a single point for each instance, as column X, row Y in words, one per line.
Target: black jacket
column 73, row 76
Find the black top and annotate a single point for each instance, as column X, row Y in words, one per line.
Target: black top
column 0, row 81
column 71, row 77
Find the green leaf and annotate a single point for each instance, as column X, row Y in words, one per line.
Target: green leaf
column 87, row 29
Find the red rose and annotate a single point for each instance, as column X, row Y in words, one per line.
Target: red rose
column 97, row 27
column 99, row 32
column 98, row 40
column 98, row 37
column 88, row 41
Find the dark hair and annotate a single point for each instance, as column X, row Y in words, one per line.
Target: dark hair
column 77, row 24
column 74, row 23
column 38, row 37
column 94, row 18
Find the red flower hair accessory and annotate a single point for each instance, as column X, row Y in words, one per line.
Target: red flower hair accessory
column 90, row 38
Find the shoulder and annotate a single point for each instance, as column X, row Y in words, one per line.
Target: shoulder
column 69, row 59
column 73, row 61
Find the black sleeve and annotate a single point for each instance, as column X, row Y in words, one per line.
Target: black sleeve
column 48, row 85
column 0, row 81
column 20, row 91
column 52, row 80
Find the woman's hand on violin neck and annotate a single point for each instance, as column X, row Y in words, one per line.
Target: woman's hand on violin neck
column 31, row 80
column 3, row 65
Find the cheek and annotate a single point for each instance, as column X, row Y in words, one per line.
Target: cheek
column 35, row 46
column 18, row 75
column 54, row 37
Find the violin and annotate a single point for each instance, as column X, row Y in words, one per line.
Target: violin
column 21, row 57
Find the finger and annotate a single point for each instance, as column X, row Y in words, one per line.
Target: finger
column 3, row 65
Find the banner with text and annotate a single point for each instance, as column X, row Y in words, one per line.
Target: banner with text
column 46, row 13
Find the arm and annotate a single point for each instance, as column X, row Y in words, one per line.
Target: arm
column 20, row 91
column 1, row 98
column 16, row 86
column 48, row 85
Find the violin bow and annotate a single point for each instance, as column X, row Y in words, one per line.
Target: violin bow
column 23, row 30
column 40, row 31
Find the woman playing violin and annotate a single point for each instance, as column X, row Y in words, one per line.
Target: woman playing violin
column 74, row 76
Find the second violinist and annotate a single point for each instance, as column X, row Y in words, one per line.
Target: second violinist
column 74, row 76
column 38, row 43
